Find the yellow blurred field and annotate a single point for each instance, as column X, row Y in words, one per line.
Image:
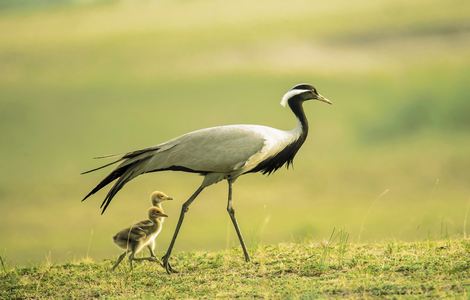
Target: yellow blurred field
column 388, row 161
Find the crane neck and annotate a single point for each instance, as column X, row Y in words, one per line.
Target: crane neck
column 298, row 110
column 297, row 137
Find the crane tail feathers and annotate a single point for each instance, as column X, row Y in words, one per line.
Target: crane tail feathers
column 123, row 174
column 101, row 167
column 129, row 172
column 107, row 180
column 116, row 188
column 132, row 165
column 106, row 156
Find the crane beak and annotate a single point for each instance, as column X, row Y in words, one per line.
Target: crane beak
column 323, row 99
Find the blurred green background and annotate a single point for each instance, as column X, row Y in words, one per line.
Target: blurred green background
column 390, row 160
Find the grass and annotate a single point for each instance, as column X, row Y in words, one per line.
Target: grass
column 334, row 268
column 85, row 78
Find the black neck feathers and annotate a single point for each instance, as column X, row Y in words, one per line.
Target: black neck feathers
column 286, row 155
column 295, row 104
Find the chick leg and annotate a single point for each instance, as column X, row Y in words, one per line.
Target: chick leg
column 152, row 253
column 151, row 247
column 152, row 256
column 131, row 259
column 120, row 258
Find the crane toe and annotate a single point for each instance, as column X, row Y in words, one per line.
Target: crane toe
column 167, row 266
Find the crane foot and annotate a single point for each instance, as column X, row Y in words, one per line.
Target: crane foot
column 167, row 266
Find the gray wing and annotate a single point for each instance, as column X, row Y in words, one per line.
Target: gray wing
column 218, row 149
column 212, row 150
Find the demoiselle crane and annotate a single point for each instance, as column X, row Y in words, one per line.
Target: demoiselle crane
column 217, row 153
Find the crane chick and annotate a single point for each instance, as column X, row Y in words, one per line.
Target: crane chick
column 156, row 198
column 139, row 235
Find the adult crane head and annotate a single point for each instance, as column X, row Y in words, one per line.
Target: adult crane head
column 303, row 92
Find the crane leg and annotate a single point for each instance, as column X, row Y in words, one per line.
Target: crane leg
column 184, row 210
column 231, row 213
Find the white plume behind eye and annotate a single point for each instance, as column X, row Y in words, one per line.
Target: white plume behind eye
column 291, row 94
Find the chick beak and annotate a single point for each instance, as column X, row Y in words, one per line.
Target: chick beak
column 163, row 215
column 169, row 198
column 323, row 99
